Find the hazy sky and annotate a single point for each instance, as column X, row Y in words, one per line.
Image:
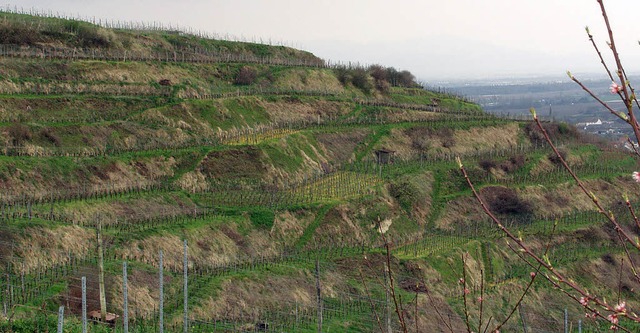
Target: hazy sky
column 435, row 40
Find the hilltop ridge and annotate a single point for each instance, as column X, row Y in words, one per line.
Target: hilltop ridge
column 63, row 34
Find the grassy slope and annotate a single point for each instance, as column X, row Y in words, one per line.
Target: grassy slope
column 220, row 196
column 33, row 31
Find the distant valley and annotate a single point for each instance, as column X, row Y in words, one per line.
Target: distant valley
column 558, row 98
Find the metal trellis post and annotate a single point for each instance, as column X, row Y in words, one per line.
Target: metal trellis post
column 84, row 304
column 186, row 289
column 125, row 297
column 161, row 287
column 60, row 318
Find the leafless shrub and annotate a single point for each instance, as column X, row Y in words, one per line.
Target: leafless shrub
column 91, row 36
column 48, row 134
column 361, row 80
column 503, row 200
column 557, row 131
column 378, row 72
column 17, row 34
column 512, row 164
column 20, row 134
column 555, row 159
column 487, row 164
column 447, row 137
column 383, row 86
column 246, row 76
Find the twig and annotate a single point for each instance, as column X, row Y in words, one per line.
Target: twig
column 515, row 306
column 488, row 323
column 633, row 146
column 626, row 97
column 373, row 307
column 633, row 91
column 399, row 311
column 433, row 305
column 465, row 291
column 544, row 263
column 632, row 211
column 590, row 194
column 599, row 100
column 606, row 68
column 573, row 297
column 530, row 284
column 631, row 262
column 481, row 298
column 416, row 313
column 620, row 280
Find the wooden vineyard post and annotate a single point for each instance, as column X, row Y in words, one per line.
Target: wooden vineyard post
column 24, row 292
column 319, row 296
column 386, row 299
column 103, row 299
column 6, row 298
column 522, row 318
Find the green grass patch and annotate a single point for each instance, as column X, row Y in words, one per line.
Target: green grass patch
column 262, row 218
column 311, row 228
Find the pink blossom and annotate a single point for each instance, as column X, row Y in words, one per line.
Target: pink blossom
column 466, row 291
column 636, row 176
column 613, row 318
column 461, row 281
column 480, row 299
column 533, row 274
column 622, row 307
column 584, row 301
column 615, row 88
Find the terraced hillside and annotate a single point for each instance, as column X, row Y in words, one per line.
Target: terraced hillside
column 278, row 172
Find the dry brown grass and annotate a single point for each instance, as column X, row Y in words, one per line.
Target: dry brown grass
column 340, row 147
column 545, row 164
column 247, row 297
column 289, row 226
column 548, row 200
column 121, row 211
column 40, row 248
column 607, row 274
column 410, row 143
column 207, row 246
column 142, row 287
column 422, row 208
column 458, row 210
column 37, row 182
column 567, row 197
column 398, row 115
column 193, row 181
column 477, row 138
column 399, row 142
column 291, row 111
column 347, row 224
column 304, row 79
column 238, row 163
